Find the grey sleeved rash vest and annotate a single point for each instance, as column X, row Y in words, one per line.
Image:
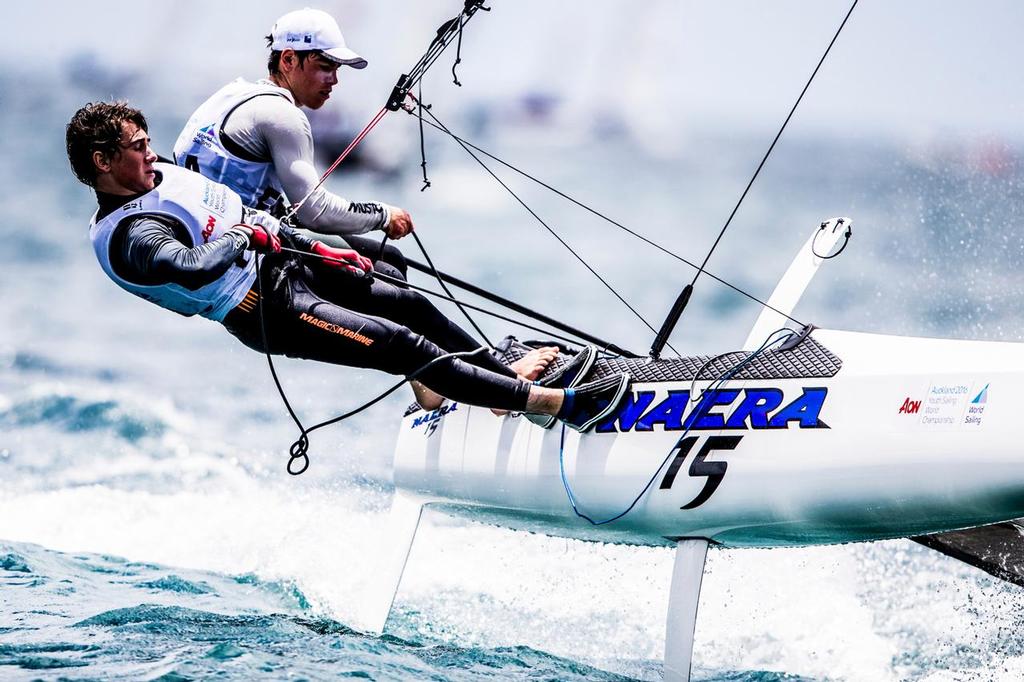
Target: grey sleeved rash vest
column 154, row 249
column 273, row 128
column 152, row 254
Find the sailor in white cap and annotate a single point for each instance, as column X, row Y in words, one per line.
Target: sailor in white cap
column 312, row 29
column 254, row 138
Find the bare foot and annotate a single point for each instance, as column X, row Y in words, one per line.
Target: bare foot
column 533, row 364
column 426, row 398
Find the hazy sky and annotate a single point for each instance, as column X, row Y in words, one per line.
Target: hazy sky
column 909, row 67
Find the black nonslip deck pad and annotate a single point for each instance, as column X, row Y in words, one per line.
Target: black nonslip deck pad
column 807, row 360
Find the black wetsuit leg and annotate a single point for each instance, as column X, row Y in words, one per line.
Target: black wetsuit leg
column 404, row 306
column 301, row 324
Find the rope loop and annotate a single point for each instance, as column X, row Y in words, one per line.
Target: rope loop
column 299, row 451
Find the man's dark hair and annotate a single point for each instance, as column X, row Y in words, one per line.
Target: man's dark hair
column 98, row 127
column 274, row 60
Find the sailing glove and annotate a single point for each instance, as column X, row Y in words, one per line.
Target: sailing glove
column 262, row 240
column 264, row 229
column 353, row 262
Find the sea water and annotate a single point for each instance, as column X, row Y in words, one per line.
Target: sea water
column 148, row 529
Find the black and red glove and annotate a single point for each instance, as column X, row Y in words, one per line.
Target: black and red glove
column 262, row 240
column 346, row 259
column 262, row 229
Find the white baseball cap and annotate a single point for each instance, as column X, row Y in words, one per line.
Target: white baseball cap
column 313, row 29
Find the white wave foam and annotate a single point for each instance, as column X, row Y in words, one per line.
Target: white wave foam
column 819, row 612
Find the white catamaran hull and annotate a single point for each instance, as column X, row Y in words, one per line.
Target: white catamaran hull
column 911, row 436
column 840, row 437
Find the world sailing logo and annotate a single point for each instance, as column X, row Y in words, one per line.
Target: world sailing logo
column 976, row 408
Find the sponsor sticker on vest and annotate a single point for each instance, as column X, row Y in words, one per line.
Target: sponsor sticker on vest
column 215, row 197
column 211, row 223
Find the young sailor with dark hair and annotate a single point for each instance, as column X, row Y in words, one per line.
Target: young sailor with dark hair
column 186, row 243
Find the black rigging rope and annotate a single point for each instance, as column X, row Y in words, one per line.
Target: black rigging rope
column 444, row 287
column 610, row 347
column 445, row 297
column 423, row 148
column 445, row 34
column 458, row 57
column 534, row 214
column 743, row 196
column 701, row 269
column 602, row 216
column 298, row 453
